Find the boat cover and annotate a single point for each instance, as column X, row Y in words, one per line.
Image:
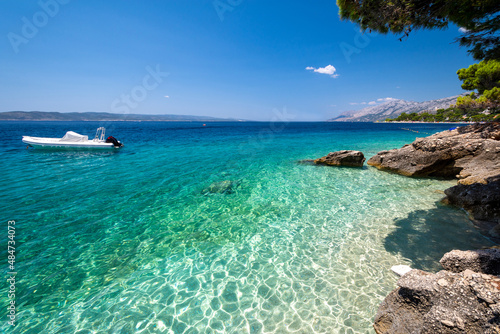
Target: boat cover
column 74, row 137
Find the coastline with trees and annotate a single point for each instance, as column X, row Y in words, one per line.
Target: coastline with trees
column 481, row 105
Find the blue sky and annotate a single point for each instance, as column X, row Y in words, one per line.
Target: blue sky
column 225, row 58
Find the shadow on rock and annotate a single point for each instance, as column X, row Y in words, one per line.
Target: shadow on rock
column 425, row 235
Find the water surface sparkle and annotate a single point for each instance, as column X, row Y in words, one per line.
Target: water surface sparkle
column 140, row 241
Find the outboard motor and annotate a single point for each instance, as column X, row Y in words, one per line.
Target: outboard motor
column 113, row 140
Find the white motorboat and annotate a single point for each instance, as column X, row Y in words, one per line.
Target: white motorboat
column 73, row 140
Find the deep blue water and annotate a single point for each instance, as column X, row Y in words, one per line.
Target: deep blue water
column 216, row 228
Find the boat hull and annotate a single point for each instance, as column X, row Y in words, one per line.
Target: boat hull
column 57, row 143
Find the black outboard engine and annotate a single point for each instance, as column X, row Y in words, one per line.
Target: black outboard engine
column 113, row 140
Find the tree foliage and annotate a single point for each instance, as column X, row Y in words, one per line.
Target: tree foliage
column 484, row 102
column 452, row 114
column 481, row 77
column 493, row 95
column 485, row 78
column 480, row 18
column 482, row 37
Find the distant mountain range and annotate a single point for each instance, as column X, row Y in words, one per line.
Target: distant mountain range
column 393, row 109
column 100, row 116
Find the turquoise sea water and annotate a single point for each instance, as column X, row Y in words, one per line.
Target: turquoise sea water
column 141, row 241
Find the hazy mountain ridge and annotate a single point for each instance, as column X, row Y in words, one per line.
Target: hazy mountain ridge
column 393, row 109
column 99, row 116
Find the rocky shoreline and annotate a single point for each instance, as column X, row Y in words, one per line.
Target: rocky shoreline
column 342, row 158
column 470, row 154
column 465, row 297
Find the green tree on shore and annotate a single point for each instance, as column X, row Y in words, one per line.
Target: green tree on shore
column 482, row 77
column 485, row 78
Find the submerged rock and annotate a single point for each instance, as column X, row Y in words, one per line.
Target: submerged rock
column 471, row 154
column 445, row 302
column 342, row 158
column 221, row 187
column 306, row 162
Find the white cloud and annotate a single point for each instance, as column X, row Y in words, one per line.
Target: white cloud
column 386, row 99
column 372, row 103
column 462, row 30
column 329, row 69
column 167, row 96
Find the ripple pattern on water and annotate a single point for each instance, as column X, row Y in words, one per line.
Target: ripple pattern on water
column 131, row 243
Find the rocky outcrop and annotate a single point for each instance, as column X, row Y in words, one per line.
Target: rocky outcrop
column 342, row 158
column 471, row 154
column 462, row 301
column 465, row 297
column 486, row 261
column 481, row 200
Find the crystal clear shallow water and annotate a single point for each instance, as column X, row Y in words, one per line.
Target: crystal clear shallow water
column 132, row 241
